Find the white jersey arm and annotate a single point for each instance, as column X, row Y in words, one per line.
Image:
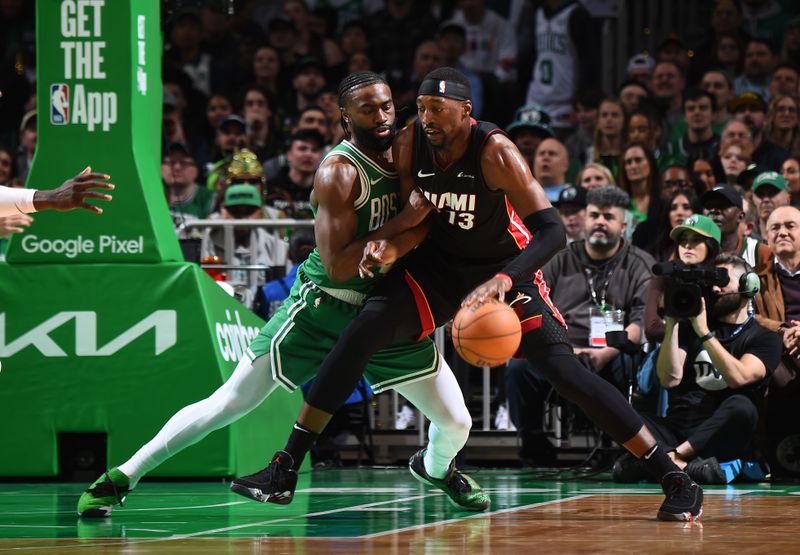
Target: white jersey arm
column 16, row 201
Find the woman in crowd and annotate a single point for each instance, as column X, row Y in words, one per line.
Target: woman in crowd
column 701, row 172
column 595, row 175
column 678, row 206
column 783, row 125
column 791, row 172
column 674, row 177
column 257, row 110
column 691, row 248
column 218, row 108
column 644, row 127
column 640, row 179
column 734, row 158
column 267, row 70
column 609, row 134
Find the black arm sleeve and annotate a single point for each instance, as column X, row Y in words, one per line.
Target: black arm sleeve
column 549, row 237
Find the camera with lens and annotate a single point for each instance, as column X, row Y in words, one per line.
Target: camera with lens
column 687, row 285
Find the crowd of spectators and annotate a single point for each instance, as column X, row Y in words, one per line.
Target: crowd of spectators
column 705, row 127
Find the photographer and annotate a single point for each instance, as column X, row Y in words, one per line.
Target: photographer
column 715, row 369
column 696, row 242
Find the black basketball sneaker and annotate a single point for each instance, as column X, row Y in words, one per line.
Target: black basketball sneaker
column 684, row 498
column 274, row 484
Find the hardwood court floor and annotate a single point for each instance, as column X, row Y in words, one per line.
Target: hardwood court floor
column 384, row 511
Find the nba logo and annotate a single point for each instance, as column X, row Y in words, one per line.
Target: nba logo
column 442, row 87
column 59, row 104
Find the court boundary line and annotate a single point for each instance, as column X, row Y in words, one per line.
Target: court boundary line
column 306, row 515
column 134, row 541
column 469, row 517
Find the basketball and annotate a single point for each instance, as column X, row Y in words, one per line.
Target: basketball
column 487, row 334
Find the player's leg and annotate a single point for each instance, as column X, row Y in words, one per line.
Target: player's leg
column 628, row 469
column 365, row 334
column 248, row 386
column 390, row 315
column 441, row 400
column 606, row 406
column 545, row 342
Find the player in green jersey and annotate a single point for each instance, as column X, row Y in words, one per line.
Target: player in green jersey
column 356, row 199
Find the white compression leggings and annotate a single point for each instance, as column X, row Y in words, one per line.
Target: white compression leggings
column 439, row 398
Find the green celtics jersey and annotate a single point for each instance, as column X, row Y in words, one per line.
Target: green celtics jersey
column 375, row 205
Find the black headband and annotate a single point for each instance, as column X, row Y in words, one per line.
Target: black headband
column 445, row 88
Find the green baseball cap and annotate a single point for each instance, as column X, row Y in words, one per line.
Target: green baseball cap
column 702, row 225
column 239, row 195
column 531, row 116
column 770, row 178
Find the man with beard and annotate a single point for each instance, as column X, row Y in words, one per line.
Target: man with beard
column 588, row 277
column 492, row 231
column 715, row 368
column 356, row 199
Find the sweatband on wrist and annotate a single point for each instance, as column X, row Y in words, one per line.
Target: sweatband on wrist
column 548, row 237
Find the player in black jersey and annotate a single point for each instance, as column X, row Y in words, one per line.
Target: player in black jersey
column 492, row 231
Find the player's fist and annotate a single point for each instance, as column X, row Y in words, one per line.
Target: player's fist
column 381, row 253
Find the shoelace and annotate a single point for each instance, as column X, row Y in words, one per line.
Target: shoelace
column 100, row 490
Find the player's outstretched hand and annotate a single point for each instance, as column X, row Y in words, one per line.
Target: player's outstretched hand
column 495, row 287
column 380, row 253
column 74, row 193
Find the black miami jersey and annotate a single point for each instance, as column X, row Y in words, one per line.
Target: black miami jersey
column 473, row 222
